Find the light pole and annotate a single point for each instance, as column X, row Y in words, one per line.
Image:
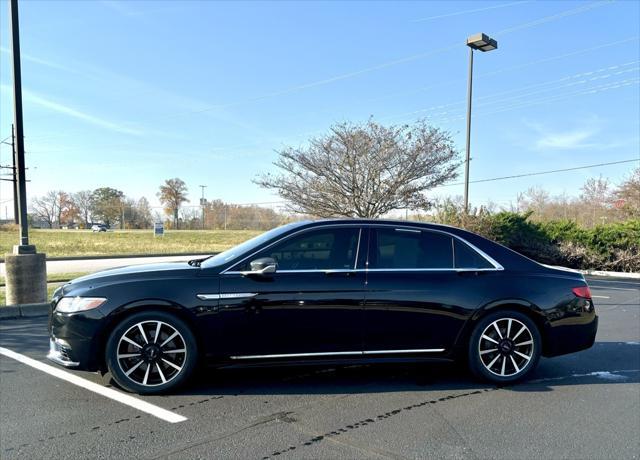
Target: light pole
column 202, row 203
column 483, row 43
column 25, row 270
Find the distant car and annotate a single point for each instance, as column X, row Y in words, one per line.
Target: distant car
column 325, row 293
column 99, row 228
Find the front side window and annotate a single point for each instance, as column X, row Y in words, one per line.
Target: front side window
column 411, row 249
column 323, row 249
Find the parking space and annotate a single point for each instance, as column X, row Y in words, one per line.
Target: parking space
column 584, row 405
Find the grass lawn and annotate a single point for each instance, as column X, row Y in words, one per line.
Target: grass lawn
column 54, row 277
column 58, row 243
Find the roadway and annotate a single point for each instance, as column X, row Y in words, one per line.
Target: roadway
column 584, row 405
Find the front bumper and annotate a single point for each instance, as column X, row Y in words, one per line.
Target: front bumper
column 60, row 353
column 75, row 339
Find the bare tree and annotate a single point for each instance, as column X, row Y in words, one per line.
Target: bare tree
column 364, row 170
column 172, row 195
column 84, row 203
column 629, row 195
column 55, row 208
column 45, row 208
column 596, row 191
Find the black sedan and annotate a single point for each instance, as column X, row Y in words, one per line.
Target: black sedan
column 325, row 292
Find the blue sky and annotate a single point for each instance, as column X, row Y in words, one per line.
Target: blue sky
column 127, row 94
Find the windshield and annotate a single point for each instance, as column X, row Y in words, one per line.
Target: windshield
column 246, row 247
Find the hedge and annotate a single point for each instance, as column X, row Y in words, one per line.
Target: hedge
column 614, row 246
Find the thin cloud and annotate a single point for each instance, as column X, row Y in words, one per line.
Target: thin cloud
column 37, row 60
column 74, row 113
column 403, row 60
column 565, row 141
column 475, row 10
column 570, row 139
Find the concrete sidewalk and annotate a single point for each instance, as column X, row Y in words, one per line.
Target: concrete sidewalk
column 94, row 265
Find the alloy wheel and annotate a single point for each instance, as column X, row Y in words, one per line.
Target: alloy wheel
column 506, row 347
column 151, row 353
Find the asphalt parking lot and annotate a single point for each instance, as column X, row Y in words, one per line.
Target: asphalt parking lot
column 584, row 405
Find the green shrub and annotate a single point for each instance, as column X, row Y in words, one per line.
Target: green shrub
column 614, row 246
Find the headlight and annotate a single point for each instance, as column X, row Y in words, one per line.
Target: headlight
column 75, row 304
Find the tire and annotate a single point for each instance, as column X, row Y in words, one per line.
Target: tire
column 493, row 353
column 144, row 365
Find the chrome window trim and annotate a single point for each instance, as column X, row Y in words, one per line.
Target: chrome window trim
column 340, row 353
column 355, row 263
column 364, row 270
column 228, row 270
column 497, row 266
column 408, row 230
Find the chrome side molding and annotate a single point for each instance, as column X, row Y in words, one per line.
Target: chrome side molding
column 229, row 295
column 341, row 353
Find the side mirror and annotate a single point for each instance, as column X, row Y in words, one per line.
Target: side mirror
column 262, row 266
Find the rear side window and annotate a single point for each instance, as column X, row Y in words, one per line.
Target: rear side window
column 465, row 257
column 411, row 249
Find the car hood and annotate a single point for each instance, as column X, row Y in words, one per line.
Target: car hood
column 133, row 271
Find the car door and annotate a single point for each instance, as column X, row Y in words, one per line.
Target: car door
column 417, row 300
column 312, row 305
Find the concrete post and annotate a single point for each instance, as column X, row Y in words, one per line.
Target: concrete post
column 26, row 276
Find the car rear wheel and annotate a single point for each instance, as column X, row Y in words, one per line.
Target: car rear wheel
column 151, row 352
column 504, row 347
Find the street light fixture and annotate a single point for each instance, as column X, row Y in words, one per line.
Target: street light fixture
column 480, row 42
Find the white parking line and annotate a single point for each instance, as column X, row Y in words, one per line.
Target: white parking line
column 600, row 297
column 122, row 398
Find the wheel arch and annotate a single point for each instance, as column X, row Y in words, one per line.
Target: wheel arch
column 522, row 306
column 123, row 312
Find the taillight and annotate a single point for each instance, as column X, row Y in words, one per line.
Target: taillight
column 583, row 292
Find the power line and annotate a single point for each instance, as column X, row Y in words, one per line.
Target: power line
column 516, row 176
column 554, row 98
column 553, row 17
column 476, row 10
column 415, row 91
column 354, row 73
column 535, row 85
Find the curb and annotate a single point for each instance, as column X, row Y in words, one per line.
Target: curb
column 31, row 310
column 626, row 275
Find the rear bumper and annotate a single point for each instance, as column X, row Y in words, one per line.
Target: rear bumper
column 577, row 335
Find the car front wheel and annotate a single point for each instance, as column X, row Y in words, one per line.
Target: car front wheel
column 505, row 347
column 151, row 352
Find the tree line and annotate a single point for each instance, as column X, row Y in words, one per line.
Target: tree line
column 111, row 207
column 355, row 170
column 104, row 205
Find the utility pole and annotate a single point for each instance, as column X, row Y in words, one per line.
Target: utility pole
column 202, row 203
column 15, row 176
column 19, row 128
column 26, row 270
